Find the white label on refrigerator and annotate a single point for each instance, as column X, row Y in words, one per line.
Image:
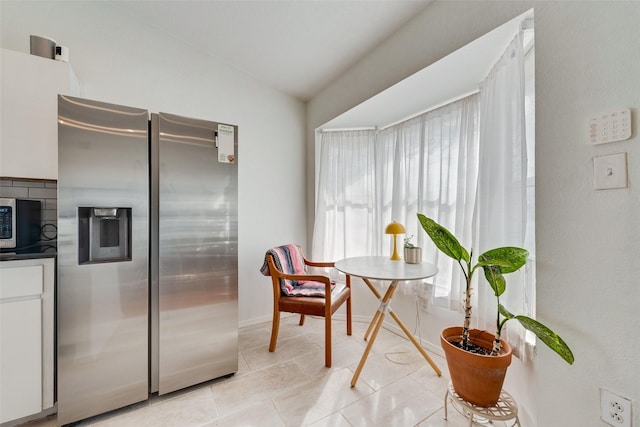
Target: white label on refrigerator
column 225, row 144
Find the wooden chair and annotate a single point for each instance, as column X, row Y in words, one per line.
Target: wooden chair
column 323, row 306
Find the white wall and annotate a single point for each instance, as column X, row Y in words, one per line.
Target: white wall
column 124, row 62
column 587, row 62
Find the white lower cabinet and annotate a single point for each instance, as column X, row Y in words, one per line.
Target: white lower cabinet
column 26, row 337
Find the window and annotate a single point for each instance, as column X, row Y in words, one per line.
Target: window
column 468, row 165
column 368, row 179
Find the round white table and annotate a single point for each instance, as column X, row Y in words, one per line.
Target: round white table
column 382, row 268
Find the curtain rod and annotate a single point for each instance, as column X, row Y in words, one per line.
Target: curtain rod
column 349, row 129
column 433, row 108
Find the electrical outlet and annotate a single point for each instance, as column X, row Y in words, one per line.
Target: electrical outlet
column 423, row 303
column 615, row 410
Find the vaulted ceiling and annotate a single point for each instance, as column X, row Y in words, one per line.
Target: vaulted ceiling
column 300, row 46
column 296, row 46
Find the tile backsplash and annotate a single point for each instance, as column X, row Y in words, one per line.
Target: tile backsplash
column 45, row 190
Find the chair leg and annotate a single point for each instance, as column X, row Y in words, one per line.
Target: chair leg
column 327, row 341
column 274, row 330
column 349, row 316
column 301, row 320
column 349, row 307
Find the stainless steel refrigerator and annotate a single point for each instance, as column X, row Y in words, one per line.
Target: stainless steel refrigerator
column 147, row 255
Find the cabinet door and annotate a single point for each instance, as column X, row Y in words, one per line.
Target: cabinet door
column 29, row 134
column 20, row 358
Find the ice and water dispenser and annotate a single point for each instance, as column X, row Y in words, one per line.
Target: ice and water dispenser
column 104, row 234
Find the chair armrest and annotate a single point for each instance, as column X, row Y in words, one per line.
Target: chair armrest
column 308, row 277
column 318, row 264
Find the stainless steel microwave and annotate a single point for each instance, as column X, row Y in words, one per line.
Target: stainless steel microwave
column 19, row 223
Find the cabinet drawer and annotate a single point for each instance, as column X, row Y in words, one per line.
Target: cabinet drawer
column 21, row 281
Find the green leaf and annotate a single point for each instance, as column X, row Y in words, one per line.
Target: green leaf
column 505, row 312
column 508, row 258
column 502, row 264
column 548, row 337
column 495, row 278
column 443, row 239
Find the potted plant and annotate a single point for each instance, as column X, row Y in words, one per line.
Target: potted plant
column 478, row 360
column 412, row 254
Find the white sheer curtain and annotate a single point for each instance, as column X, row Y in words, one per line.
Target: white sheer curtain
column 424, row 165
column 429, row 165
column 501, row 208
column 345, row 215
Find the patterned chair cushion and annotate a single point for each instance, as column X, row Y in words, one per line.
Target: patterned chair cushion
column 289, row 260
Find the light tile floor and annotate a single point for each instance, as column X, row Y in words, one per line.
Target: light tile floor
column 291, row 387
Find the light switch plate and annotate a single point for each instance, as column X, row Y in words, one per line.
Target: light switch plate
column 610, row 171
column 610, row 127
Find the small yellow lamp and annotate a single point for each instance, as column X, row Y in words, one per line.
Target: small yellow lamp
column 395, row 228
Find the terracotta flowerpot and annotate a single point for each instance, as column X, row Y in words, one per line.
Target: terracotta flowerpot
column 476, row 378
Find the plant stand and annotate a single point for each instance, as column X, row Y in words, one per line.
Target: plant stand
column 506, row 408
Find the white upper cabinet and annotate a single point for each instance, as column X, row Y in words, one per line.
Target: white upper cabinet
column 29, row 135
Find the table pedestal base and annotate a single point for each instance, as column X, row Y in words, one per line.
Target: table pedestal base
column 506, row 409
column 376, row 323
